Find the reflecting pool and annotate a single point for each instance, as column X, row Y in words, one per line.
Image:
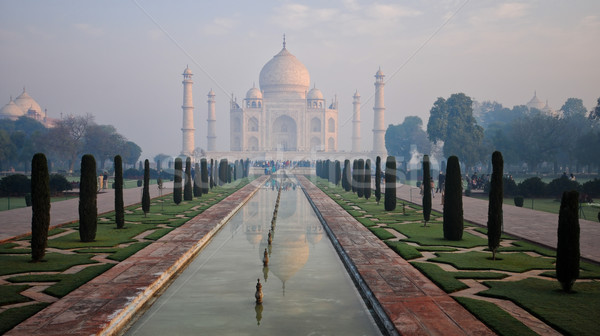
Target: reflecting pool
column 306, row 288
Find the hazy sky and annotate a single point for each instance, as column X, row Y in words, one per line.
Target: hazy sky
column 122, row 61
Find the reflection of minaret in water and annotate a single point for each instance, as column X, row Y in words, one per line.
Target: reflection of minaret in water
column 378, row 122
column 188, row 114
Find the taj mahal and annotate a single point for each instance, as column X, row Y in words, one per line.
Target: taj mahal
column 283, row 118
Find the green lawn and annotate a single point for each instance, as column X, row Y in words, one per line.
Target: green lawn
column 551, row 205
column 541, row 298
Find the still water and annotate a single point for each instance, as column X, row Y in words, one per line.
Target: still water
column 306, row 288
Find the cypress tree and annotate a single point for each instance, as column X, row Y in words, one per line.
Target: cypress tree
column 567, row 249
column 367, row 179
column 197, row 181
column 343, row 176
column 88, row 188
column 378, row 179
column 177, row 187
column 390, row 184
column 354, row 177
column 338, row 172
column 212, row 174
column 119, row 204
column 348, row 175
column 40, row 206
column 222, row 171
column 426, row 190
column 204, row 176
column 146, row 190
column 229, row 170
column 187, row 187
column 360, row 185
column 496, row 197
column 453, row 207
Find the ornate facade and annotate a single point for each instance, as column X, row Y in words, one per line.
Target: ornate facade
column 284, row 115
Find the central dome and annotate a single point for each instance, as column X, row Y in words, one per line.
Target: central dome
column 284, row 73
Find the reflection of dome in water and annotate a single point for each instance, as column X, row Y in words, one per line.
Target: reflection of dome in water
column 289, row 253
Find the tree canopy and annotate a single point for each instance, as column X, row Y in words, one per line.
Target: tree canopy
column 399, row 139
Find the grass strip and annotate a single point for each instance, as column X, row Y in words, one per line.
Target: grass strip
column 510, row 262
column 381, row 233
column 55, row 262
column 544, row 299
column 495, row 317
column 159, row 233
column 404, row 250
column 433, row 235
column 126, row 252
column 13, row 316
column 10, row 294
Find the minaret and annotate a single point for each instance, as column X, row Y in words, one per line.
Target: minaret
column 356, row 123
column 211, row 137
column 188, row 114
column 378, row 122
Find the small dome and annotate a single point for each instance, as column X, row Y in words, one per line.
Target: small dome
column 284, row 73
column 187, row 71
column 254, row 93
column 26, row 103
column 535, row 103
column 314, row 93
column 11, row 111
column 379, row 73
column 356, row 94
column 211, row 93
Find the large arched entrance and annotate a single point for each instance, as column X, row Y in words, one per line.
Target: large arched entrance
column 283, row 134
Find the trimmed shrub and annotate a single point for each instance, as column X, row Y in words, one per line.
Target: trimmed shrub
column 558, row 186
column 211, row 179
column 532, row 187
column 132, row 173
column 88, row 210
column 338, row 172
column 519, row 200
column 591, row 188
column 187, row 189
column 204, row 183
column 177, row 187
column 390, row 184
column 378, row 179
column 510, row 187
column 140, row 183
column 15, row 185
column 453, row 207
column 146, row 190
column 118, row 185
column 567, row 249
column 197, row 181
column 496, row 197
column 426, row 189
column 367, row 179
column 347, row 175
column 40, row 206
column 354, row 175
column 58, row 184
column 360, row 175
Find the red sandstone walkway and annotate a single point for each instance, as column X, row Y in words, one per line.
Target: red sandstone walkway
column 106, row 303
column 536, row 226
column 17, row 222
column 415, row 305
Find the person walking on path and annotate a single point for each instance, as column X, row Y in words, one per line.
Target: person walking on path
column 441, row 180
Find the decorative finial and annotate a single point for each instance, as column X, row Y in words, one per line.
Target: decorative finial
column 284, row 41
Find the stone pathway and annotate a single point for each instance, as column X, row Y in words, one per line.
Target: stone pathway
column 106, row 304
column 17, row 222
column 413, row 303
